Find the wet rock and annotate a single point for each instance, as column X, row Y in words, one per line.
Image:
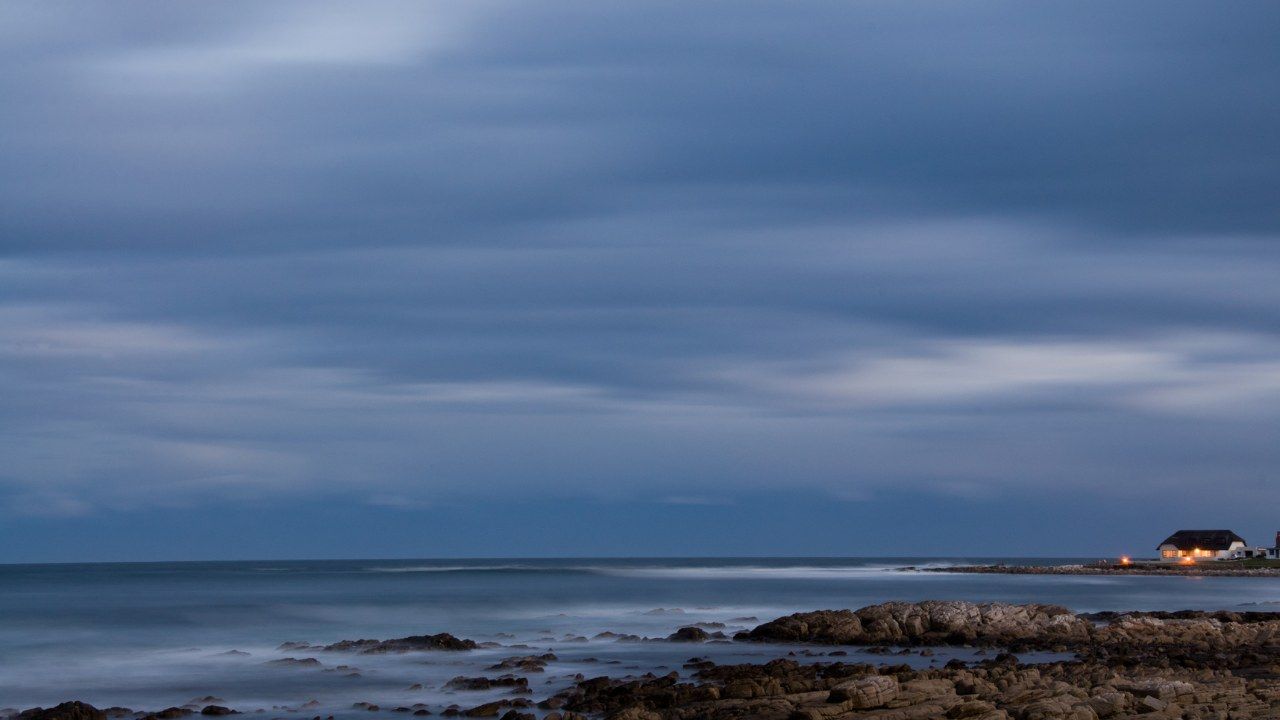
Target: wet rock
column 413, row 643
column 930, row 622
column 293, row 645
column 689, row 633
column 217, row 710
column 483, row 683
column 489, row 709
column 170, row 713
column 294, row 662
column 525, row 663
column 71, row 710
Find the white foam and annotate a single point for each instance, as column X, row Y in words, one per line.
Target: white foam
column 758, row 572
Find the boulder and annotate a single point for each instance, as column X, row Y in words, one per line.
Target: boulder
column 439, row 641
column 865, row 693
column 689, row 634
column 71, row 710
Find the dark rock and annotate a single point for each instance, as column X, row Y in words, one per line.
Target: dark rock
column 489, row 709
column 293, row 662
column 688, row 633
column 525, row 663
column 932, row 622
column 413, row 643
column 71, row 710
column 293, row 645
column 483, row 683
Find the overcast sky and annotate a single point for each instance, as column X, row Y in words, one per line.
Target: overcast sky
column 427, row 278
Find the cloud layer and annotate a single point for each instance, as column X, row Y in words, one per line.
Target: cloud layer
column 428, row 255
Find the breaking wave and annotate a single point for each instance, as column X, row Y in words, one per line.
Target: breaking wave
column 676, row 572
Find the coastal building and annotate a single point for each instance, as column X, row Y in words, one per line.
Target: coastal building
column 1193, row 545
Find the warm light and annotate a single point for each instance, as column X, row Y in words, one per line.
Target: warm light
column 1125, row 560
column 1188, row 560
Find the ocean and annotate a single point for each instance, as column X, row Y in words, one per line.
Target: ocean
column 155, row 635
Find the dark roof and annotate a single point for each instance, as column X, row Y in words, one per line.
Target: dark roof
column 1203, row 539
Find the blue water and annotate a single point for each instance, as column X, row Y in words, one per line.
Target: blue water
column 152, row 635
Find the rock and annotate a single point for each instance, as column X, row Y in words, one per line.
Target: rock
column 293, row 662
column 483, row 683
column 293, row 645
column 413, row 643
column 865, row 693
column 71, row 710
column 837, row 627
column 1150, row 704
column 525, row 663
column 930, row 622
column 974, row 709
column 689, row 633
column 490, row 709
column 1192, row 665
column 217, row 710
column 636, row 714
column 1108, row 704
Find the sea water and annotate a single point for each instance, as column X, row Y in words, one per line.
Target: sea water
column 154, row 635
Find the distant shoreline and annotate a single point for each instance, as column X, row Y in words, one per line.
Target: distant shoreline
column 1199, row 570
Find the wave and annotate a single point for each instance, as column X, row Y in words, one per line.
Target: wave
column 475, row 569
column 758, row 572
column 675, row 572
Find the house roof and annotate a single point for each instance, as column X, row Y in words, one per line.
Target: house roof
column 1203, row 539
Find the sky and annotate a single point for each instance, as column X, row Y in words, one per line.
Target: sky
column 426, row 279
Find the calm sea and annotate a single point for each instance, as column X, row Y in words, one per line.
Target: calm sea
column 152, row 635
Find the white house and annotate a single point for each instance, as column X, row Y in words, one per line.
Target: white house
column 1193, row 545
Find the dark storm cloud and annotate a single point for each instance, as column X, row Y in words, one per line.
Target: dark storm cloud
column 406, row 252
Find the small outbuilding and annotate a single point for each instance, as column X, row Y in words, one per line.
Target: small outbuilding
column 1192, row 545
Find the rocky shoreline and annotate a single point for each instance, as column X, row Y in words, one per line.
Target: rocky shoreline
column 1151, row 664
column 1200, row 570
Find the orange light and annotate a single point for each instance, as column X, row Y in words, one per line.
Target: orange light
column 1188, row 560
column 1125, row 560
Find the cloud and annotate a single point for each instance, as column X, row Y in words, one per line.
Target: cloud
column 1193, row 373
column 456, row 252
column 300, row 37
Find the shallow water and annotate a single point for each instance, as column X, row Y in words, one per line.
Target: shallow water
column 156, row 634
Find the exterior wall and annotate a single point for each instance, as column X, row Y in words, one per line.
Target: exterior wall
column 1171, row 553
column 1249, row 552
